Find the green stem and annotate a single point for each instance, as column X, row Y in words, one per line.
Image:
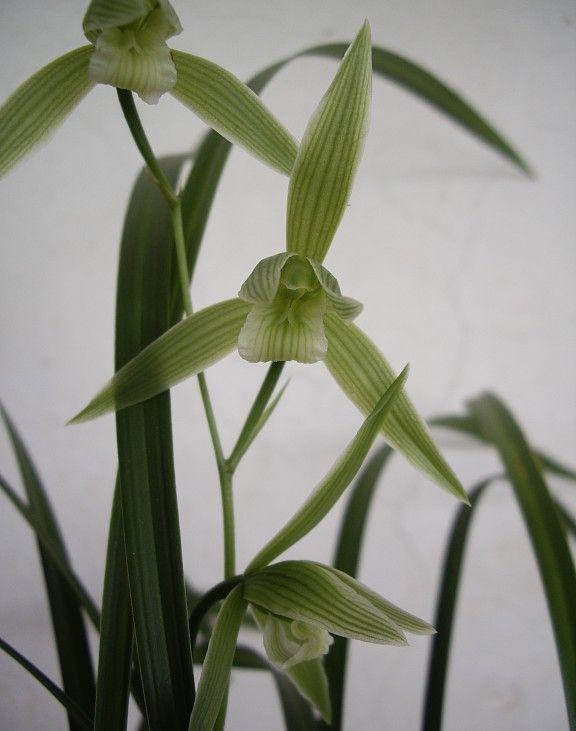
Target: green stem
column 216, row 594
column 260, row 402
column 135, row 125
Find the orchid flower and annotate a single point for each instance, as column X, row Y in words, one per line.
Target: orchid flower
column 291, row 307
column 298, row 605
column 128, row 50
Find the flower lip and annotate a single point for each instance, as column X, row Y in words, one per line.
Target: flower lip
column 130, row 47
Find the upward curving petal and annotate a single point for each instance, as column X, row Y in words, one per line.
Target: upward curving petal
column 41, row 104
column 329, row 154
column 363, row 374
column 186, row 349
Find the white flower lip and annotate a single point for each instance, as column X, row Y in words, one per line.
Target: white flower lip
column 133, row 55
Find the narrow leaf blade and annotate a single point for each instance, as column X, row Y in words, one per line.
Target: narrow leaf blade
column 81, row 719
column 329, row 154
column 218, row 663
column 41, row 104
column 544, row 528
column 188, row 348
column 233, row 110
column 65, row 608
column 146, row 468
column 363, row 374
column 448, row 589
column 336, row 481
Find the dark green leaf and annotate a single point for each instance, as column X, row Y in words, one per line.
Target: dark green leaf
column 81, row 720
column 149, row 505
column 445, row 609
column 544, row 528
column 67, row 621
column 116, row 632
column 567, row 518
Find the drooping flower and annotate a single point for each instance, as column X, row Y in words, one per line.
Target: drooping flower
column 128, row 50
column 291, row 307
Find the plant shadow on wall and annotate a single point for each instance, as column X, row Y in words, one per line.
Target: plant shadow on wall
column 153, row 625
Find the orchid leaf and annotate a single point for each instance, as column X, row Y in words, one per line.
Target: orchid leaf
column 80, row 718
column 53, row 550
column 311, row 593
column 544, row 526
column 186, row 349
column 232, row 109
column 65, row 605
column 329, row 154
column 448, row 589
column 333, row 485
column 41, row 104
column 215, row 676
column 150, row 526
column 363, row 374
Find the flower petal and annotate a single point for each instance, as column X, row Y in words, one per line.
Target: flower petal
column 186, row 349
column 363, row 374
column 103, row 14
column 232, row 109
column 345, row 307
column 329, row 154
column 325, row 496
column 41, row 104
column 290, row 642
column 307, row 591
column 282, row 331
column 264, row 280
column 310, row 679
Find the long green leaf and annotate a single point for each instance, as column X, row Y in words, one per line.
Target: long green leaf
column 329, row 154
column 65, row 608
column 81, row 720
column 116, row 632
column 544, row 528
column 53, row 550
column 467, row 424
column 363, row 374
column 216, row 670
column 41, row 104
column 346, row 558
column 445, row 609
column 146, row 470
column 182, row 351
column 336, row 481
column 567, row 518
column 232, row 109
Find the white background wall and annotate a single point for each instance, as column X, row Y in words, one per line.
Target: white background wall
column 466, row 269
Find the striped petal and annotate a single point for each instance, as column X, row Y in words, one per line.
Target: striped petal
column 308, row 592
column 232, row 109
column 41, row 104
column 136, row 57
column 363, row 373
column 345, row 307
column 104, row 14
column 186, row 349
column 284, row 330
column 329, row 154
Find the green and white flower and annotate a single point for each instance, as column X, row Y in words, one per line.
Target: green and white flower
column 291, row 307
column 128, row 50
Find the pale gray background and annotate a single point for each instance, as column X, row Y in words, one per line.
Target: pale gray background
column 466, row 270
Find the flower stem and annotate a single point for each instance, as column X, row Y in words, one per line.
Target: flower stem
column 216, row 594
column 225, row 475
column 135, row 125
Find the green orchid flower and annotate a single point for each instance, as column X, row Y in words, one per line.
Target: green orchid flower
column 298, row 605
column 128, row 50
column 291, row 307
